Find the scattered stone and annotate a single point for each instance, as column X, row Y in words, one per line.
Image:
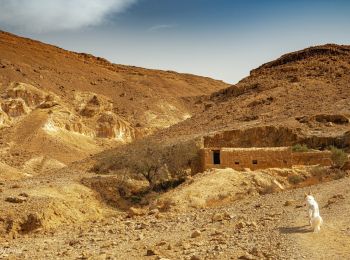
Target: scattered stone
column 195, row 257
column 140, row 236
column 217, row 217
column 23, row 194
column 240, row 225
column 73, row 242
column 151, row 252
column 153, row 212
column 196, row 233
column 15, row 199
column 135, row 212
column 246, row 256
column 161, row 243
column 289, row 203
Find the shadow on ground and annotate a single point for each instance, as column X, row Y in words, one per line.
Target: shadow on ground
column 290, row 230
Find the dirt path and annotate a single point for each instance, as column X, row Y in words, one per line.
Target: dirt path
column 333, row 242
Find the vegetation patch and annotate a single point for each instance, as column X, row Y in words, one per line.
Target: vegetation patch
column 300, row 148
column 339, row 157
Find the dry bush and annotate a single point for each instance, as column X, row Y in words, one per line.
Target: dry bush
column 163, row 165
column 339, row 157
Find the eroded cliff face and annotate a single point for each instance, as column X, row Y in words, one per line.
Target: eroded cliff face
column 89, row 114
column 40, row 124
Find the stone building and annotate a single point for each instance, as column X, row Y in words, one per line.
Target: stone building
column 261, row 158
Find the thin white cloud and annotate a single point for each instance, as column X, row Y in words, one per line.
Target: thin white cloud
column 57, row 15
column 160, row 27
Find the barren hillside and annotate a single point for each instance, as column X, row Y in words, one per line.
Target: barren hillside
column 306, row 92
column 57, row 103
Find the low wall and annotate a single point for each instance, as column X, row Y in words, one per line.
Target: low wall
column 262, row 158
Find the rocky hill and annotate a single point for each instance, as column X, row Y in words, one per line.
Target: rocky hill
column 306, row 93
column 65, row 106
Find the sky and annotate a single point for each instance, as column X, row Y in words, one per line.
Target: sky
column 222, row 39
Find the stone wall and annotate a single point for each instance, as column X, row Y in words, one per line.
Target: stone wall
column 262, row 158
column 312, row 158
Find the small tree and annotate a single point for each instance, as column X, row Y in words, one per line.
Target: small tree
column 339, row 157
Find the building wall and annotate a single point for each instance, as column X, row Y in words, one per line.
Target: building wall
column 262, row 158
column 312, row 158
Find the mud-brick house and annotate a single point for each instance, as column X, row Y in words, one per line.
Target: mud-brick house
column 261, row 158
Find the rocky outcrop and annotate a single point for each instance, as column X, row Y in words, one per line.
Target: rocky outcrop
column 88, row 114
column 15, row 107
column 112, row 126
column 325, row 50
column 32, row 96
column 274, row 136
column 89, row 104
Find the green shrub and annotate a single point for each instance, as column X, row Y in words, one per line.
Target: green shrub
column 300, row 148
column 339, row 157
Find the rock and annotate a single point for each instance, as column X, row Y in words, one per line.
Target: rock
column 228, row 216
column 161, row 243
column 196, row 233
column 246, row 256
column 136, row 212
column 140, row 236
column 240, row 225
column 16, row 199
column 278, row 185
column 73, row 242
column 153, row 212
column 252, row 224
column 256, row 252
column 217, row 217
column 151, row 252
column 23, row 194
column 32, row 222
column 289, row 202
column 195, row 257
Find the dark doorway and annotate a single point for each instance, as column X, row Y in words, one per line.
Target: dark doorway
column 216, row 157
column 255, row 161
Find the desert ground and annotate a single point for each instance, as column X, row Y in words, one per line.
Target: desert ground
column 102, row 161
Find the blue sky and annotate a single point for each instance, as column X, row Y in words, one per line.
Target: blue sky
column 223, row 39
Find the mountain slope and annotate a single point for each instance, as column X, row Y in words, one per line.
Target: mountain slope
column 59, row 103
column 306, row 91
